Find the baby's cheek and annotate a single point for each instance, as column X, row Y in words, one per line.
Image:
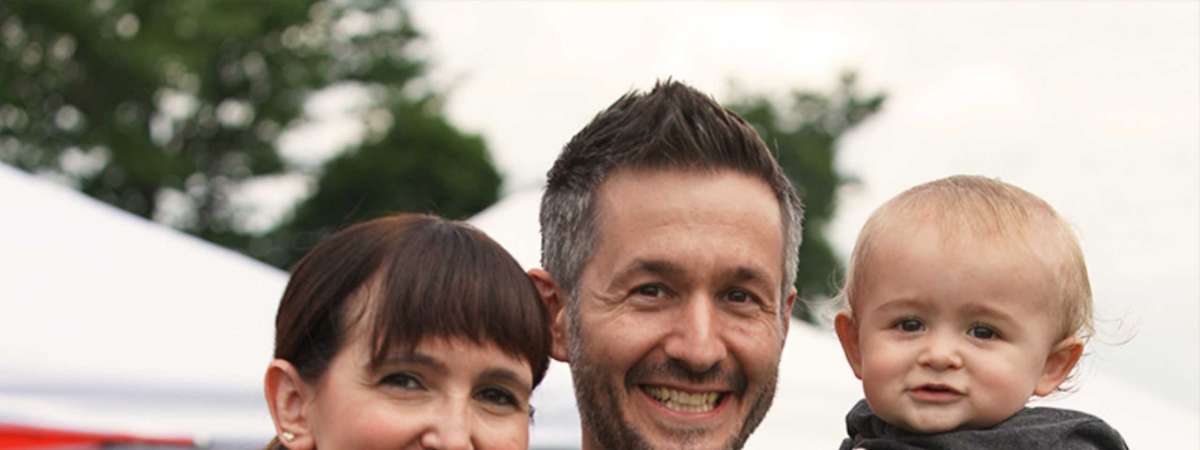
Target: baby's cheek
column 878, row 382
column 1004, row 385
column 884, row 362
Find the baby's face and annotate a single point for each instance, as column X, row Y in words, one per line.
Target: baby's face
column 948, row 336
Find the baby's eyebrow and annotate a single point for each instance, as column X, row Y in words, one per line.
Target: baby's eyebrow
column 903, row 303
column 989, row 311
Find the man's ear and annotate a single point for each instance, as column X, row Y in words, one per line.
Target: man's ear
column 847, row 332
column 555, row 302
column 1059, row 363
column 787, row 312
column 288, row 397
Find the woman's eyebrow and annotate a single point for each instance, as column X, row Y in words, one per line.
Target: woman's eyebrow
column 417, row 359
column 499, row 374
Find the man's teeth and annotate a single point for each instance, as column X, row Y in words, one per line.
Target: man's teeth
column 683, row 401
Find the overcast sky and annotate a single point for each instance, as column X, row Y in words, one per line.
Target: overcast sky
column 1093, row 106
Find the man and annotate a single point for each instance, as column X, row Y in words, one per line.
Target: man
column 669, row 242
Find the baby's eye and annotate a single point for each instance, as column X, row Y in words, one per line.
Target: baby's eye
column 983, row 332
column 909, row 325
column 497, row 396
column 403, row 380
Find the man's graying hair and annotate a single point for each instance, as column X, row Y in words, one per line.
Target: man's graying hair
column 674, row 127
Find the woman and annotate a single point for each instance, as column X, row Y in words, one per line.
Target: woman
column 409, row 332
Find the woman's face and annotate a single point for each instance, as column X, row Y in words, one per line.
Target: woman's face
column 445, row 394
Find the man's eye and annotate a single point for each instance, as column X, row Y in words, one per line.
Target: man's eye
column 650, row 290
column 909, row 325
column 497, row 396
column 403, row 381
column 983, row 332
column 739, row 296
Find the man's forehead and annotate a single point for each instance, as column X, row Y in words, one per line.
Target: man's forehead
column 652, row 215
column 627, row 186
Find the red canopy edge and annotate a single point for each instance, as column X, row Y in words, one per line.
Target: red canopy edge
column 14, row 437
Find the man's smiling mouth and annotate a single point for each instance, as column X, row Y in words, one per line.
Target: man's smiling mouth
column 682, row 401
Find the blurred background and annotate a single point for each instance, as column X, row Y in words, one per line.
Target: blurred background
column 260, row 126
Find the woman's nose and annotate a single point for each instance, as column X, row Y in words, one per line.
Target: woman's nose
column 450, row 429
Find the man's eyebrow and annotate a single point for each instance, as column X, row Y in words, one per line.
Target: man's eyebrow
column 665, row 269
column 752, row 275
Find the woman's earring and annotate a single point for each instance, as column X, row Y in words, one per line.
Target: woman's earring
column 287, row 436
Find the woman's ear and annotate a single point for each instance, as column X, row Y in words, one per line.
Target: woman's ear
column 287, row 399
column 847, row 332
column 1059, row 363
column 556, row 306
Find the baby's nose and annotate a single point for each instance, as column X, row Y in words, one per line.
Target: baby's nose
column 940, row 354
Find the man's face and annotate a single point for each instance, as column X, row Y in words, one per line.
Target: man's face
column 675, row 337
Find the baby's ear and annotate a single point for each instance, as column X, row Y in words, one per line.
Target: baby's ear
column 1059, row 363
column 847, row 332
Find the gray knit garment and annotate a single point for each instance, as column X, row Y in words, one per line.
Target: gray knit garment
column 1029, row 429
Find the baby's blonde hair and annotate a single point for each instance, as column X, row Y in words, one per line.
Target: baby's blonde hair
column 972, row 209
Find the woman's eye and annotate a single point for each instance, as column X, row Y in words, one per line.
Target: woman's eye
column 983, row 332
column 909, row 325
column 497, row 396
column 403, row 381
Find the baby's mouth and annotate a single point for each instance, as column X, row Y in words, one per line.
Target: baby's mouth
column 937, row 389
column 682, row 401
column 936, row 393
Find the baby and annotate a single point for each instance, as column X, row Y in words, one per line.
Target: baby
column 966, row 297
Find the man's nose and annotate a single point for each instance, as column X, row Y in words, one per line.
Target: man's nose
column 941, row 352
column 449, row 427
column 696, row 339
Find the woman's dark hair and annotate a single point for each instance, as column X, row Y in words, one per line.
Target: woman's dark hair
column 424, row 277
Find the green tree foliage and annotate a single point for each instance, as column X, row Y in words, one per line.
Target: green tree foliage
column 442, row 171
column 141, row 103
column 804, row 131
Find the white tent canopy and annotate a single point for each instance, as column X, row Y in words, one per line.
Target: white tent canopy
column 114, row 323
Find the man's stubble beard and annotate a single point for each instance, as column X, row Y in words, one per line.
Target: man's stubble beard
column 604, row 417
